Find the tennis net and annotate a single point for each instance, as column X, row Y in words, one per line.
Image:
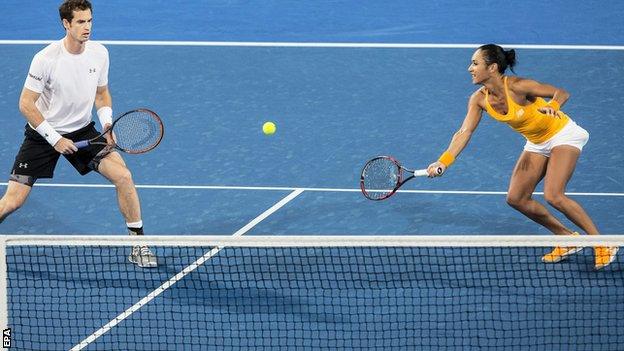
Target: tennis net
column 310, row 293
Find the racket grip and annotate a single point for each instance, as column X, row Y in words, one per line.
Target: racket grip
column 82, row 144
column 423, row 172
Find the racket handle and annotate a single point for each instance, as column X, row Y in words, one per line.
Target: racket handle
column 82, row 144
column 423, row 172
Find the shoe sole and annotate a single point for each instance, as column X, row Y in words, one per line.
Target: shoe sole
column 564, row 256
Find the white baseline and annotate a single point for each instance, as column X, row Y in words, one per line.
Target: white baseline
column 286, row 188
column 326, row 45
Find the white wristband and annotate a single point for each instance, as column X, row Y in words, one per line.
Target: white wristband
column 105, row 114
column 45, row 130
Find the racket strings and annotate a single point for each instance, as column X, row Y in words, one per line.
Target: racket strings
column 380, row 177
column 137, row 132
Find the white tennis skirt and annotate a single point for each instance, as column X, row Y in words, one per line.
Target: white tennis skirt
column 572, row 134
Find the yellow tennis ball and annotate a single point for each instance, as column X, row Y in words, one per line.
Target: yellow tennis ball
column 268, row 128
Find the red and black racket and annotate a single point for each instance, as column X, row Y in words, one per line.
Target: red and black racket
column 382, row 176
column 134, row 132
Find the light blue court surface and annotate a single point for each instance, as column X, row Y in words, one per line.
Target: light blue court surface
column 335, row 107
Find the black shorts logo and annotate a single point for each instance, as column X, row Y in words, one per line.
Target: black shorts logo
column 6, row 338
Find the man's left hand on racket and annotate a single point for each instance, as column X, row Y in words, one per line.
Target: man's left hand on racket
column 133, row 132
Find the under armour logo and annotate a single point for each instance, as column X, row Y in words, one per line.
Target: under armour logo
column 34, row 76
column 91, row 70
column 520, row 112
column 23, row 165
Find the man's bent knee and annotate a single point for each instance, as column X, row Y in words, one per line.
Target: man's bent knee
column 14, row 198
column 10, row 204
column 121, row 176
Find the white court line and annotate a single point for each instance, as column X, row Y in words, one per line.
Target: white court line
column 284, row 188
column 325, row 45
column 166, row 285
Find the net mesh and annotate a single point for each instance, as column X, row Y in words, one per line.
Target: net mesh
column 325, row 297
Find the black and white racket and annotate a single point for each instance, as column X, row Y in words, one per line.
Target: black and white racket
column 382, row 176
column 134, row 132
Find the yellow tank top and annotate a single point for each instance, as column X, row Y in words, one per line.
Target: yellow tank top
column 535, row 126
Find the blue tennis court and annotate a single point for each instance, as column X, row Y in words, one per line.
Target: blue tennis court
column 343, row 81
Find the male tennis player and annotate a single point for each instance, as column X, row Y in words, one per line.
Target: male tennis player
column 64, row 81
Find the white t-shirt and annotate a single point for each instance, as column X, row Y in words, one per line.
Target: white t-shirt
column 67, row 83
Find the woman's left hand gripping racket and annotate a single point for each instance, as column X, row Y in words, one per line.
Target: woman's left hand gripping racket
column 134, row 132
column 382, row 176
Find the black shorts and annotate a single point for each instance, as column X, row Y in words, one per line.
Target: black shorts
column 37, row 158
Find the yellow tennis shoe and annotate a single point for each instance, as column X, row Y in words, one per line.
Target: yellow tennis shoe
column 560, row 253
column 604, row 255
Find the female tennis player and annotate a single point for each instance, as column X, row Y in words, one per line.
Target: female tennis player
column 554, row 144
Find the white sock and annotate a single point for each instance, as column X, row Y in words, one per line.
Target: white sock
column 135, row 228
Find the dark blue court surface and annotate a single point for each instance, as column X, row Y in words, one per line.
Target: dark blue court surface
column 446, row 21
column 334, row 107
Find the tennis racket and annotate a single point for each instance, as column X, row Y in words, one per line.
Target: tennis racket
column 134, row 132
column 382, row 176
